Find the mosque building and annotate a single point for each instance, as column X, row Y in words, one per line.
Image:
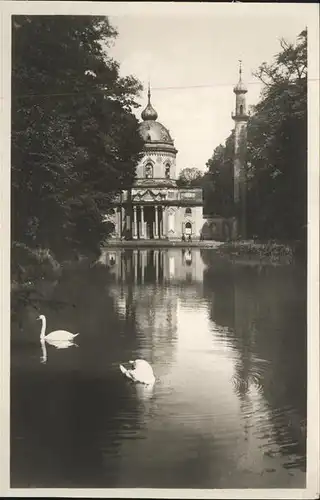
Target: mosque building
column 155, row 208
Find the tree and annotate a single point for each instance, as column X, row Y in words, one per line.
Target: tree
column 277, row 146
column 75, row 141
column 190, row 177
column 218, row 182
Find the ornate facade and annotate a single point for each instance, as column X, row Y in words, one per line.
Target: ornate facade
column 155, row 208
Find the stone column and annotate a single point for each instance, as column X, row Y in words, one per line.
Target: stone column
column 135, row 225
column 156, row 229
column 161, row 223
column 164, row 222
column 143, row 233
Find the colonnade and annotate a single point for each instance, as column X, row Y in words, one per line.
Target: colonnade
column 139, row 226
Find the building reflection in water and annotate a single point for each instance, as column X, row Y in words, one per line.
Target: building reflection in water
column 141, row 266
column 145, row 294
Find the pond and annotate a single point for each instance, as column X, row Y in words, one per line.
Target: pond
column 227, row 344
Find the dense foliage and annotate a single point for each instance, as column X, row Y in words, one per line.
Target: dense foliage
column 277, row 151
column 189, row 177
column 218, row 180
column 75, row 141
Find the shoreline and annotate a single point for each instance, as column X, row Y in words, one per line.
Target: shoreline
column 161, row 244
column 43, row 267
column 239, row 252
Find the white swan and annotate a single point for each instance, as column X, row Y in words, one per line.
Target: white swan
column 141, row 372
column 57, row 335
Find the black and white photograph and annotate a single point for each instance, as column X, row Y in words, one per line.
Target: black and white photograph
column 163, row 179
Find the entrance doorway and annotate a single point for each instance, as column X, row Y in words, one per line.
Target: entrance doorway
column 149, row 221
column 151, row 231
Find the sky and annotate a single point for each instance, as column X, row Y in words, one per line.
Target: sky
column 200, row 52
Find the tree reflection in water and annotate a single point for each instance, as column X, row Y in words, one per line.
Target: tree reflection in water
column 264, row 310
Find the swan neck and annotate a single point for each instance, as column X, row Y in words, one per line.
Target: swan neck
column 43, row 328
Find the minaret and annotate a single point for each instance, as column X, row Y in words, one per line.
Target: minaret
column 240, row 118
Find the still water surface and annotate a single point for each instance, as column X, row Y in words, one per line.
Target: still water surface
column 228, row 347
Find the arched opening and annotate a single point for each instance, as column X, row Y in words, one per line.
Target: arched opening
column 112, row 259
column 188, row 211
column 241, row 109
column 167, row 171
column 148, row 171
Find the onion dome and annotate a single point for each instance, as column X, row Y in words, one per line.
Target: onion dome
column 149, row 113
column 151, row 130
column 240, row 88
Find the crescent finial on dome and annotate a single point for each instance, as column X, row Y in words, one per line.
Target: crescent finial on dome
column 149, row 113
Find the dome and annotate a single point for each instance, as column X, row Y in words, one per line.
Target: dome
column 152, row 131
column 149, row 113
column 240, row 88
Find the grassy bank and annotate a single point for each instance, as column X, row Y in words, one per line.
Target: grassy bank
column 29, row 266
column 35, row 272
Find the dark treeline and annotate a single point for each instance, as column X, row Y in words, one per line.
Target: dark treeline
column 276, row 153
column 75, row 140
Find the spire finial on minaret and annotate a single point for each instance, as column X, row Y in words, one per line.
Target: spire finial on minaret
column 240, row 88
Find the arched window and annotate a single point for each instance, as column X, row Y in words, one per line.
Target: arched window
column 167, row 171
column 241, row 109
column 188, row 211
column 148, row 171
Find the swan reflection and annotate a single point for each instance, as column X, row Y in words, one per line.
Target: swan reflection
column 144, row 392
column 58, row 344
